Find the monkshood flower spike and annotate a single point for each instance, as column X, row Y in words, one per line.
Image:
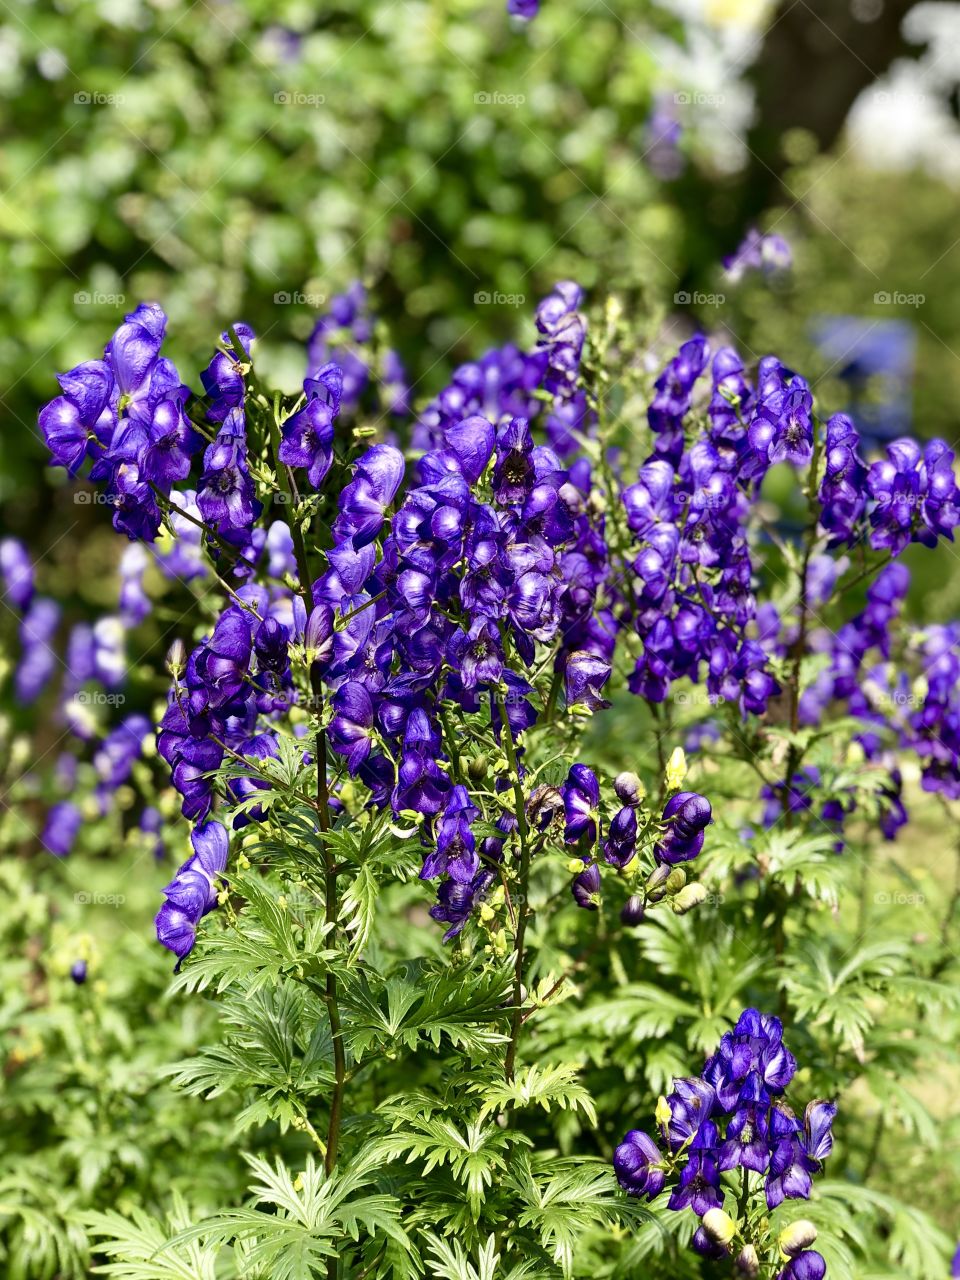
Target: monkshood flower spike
column 730, row 1147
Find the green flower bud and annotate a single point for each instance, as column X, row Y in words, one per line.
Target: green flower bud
column 688, row 898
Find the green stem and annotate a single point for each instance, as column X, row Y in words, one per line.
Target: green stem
column 523, row 913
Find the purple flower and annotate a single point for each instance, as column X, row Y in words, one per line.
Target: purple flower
column 455, row 854
column 477, row 654
column 585, row 675
column 586, row 887
column 78, row 972
column 525, row 9
column 61, row 828
column 808, row 1265
column 16, row 570
column 633, row 1163
column 365, row 499
column 699, row 1186
column 351, row 730
column 685, row 815
column 581, row 799
column 620, row 846
column 308, row 440
column 193, row 892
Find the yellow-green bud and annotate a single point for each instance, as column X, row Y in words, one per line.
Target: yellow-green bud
column 688, row 898
column 675, row 881
column 676, row 769
column 719, row 1226
column 798, row 1236
column 663, row 1113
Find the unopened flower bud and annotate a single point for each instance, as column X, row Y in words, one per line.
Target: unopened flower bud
column 656, row 882
column 676, row 769
column 318, row 634
column 747, row 1263
column 632, row 911
column 798, row 1236
column 176, row 659
column 719, row 1226
column 688, row 898
column 78, row 972
column 675, row 881
column 630, row 790
column 477, row 768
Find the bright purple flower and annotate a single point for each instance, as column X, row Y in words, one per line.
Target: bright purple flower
column 351, row 730
column 365, row 499
column 525, row 9
column 308, row 440
column 699, row 1186
column 586, row 887
column 477, row 654
column 581, row 799
column 685, row 816
column 620, row 846
column 633, row 1163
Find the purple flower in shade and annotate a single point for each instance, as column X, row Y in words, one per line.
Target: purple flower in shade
column 955, row 1268
column 192, row 892
column 515, row 471
column 120, row 749
column 525, row 9
column 61, row 828
column 477, row 654
column 455, row 854
column 227, row 498
column 151, row 824
column 16, row 570
column 78, row 972
column 456, row 901
column 581, row 799
column 134, row 603
column 586, row 887
column 37, row 658
column 685, row 816
column 620, row 846
column 172, row 444
column 70, row 422
column 308, row 439
column 351, row 729
column 634, row 1164
column 223, row 377
column 808, row 1265
column 674, row 390
column 584, row 676
column 364, row 501
column 699, row 1186
column 262, row 746
column 769, row 253
column 746, row 1142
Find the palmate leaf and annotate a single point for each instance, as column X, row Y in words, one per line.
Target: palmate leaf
column 567, row 1198
column 549, row 1087
column 450, row 1261
column 912, row 1241
column 296, row 1224
column 473, row 1151
column 140, row 1246
column 421, row 1004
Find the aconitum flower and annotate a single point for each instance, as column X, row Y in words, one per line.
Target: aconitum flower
column 584, row 676
column 37, row 659
column 841, row 493
column 78, row 972
column 782, row 428
column 634, row 1164
column 364, row 501
column 193, row 892
column 455, row 854
column 955, row 1268
column 525, row 9
column 586, row 887
column 808, row 1265
column 620, row 845
column 581, row 800
column 685, row 816
column 16, row 570
column 308, row 435
column 61, row 828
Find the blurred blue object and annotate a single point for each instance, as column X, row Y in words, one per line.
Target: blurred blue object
column 875, row 359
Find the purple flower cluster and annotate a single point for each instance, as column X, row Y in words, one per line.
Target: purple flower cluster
column 733, row 1116
column 193, row 891
column 343, row 337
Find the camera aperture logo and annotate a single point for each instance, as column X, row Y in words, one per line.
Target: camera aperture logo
column 496, row 98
